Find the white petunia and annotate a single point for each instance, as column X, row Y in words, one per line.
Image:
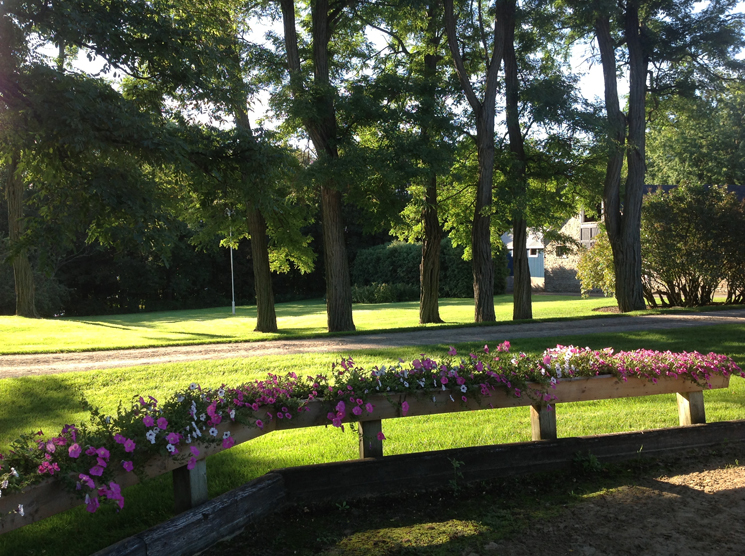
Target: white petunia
column 221, row 392
column 155, row 430
column 202, row 417
column 150, row 436
column 180, row 399
column 406, row 384
column 463, row 388
column 20, row 510
column 232, row 413
column 213, row 431
column 226, row 435
column 171, row 448
column 193, row 386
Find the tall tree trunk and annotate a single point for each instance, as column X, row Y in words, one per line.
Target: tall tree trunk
column 483, row 266
column 429, row 271
column 624, row 224
column 484, row 112
column 321, row 127
column 22, row 272
column 629, row 288
column 522, row 306
column 266, row 317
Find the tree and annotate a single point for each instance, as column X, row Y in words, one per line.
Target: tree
column 319, row 120
column 667, row 48
column 698, row 140
column 484, row 113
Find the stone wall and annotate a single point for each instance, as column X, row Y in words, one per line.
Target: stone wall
column 560, row 261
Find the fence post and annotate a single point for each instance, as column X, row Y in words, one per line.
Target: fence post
column 543, row 422
column 691, row 408
column 370, row 446
column 190, row 486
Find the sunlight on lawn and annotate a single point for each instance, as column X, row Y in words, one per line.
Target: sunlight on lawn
column 215, row 325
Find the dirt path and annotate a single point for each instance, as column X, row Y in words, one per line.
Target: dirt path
column 38, row 364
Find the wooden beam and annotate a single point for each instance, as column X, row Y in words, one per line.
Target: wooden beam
column 691, row 409
column 543, row 422
column 196, row 530
column 190, row 486
column 370, row 446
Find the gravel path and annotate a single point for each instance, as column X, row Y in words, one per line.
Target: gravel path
column 38, row 364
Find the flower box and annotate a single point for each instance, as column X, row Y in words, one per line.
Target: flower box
column 49, row 497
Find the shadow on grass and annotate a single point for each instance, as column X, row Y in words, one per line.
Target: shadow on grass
column 47, row 403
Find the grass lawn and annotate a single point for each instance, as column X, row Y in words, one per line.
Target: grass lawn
column 48, row 402
column 301, row 318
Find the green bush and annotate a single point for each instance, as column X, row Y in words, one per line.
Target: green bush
column 385, row 293
column 398, row 263
column 693, row 239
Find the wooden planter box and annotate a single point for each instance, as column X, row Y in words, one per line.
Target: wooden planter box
column 190, row 486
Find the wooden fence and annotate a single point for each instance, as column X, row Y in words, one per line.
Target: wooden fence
column 190, row 486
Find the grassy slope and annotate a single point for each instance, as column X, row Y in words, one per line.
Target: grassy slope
column 50, row 401
column 302, row 318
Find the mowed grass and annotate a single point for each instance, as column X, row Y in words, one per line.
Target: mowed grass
column 302, row 318
column 48, row 402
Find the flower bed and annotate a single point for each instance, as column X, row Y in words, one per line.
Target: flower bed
column 95, row 462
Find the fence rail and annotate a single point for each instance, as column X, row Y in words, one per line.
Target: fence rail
column 190, row 486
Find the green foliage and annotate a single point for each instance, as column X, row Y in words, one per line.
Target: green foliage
column 385, row 293
column 398, row 263
column 698, row 140
column 595, row 268
column 691, row 238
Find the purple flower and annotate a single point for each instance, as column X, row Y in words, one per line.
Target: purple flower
column 162, row 423
column 357, row 410
column 86, row 480
column 259, row 423
column 119, row 439
column 369, row 407
column 405, row 408
column 194, row 450
column 192, row 463
column 173, row 438
column 381, row 436
column 228, row 442
column 148, row 421
column 92, row 504
column 128, row 466
column 96, row 471
column 452, row 351
column 74, row 450
column 103, row 452
column 129, row 445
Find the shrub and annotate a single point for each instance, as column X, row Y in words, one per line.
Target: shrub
column 385, row 293
column 398, row 263
column 693, row 239
column 595, row 268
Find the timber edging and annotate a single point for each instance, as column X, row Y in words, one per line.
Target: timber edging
column 224, row 516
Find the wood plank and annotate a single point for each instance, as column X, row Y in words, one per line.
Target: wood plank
column 406, row 472
column 198, row 529
column 190, row 486
column 542, row 422
column 691, row 410
column 370, row 446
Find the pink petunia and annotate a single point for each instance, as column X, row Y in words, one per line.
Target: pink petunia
column 128, row 466
column 162, row 423
column 405, row 408
column 129, row 445
column 381, row 436
column 148, row 421
column 228, row 442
